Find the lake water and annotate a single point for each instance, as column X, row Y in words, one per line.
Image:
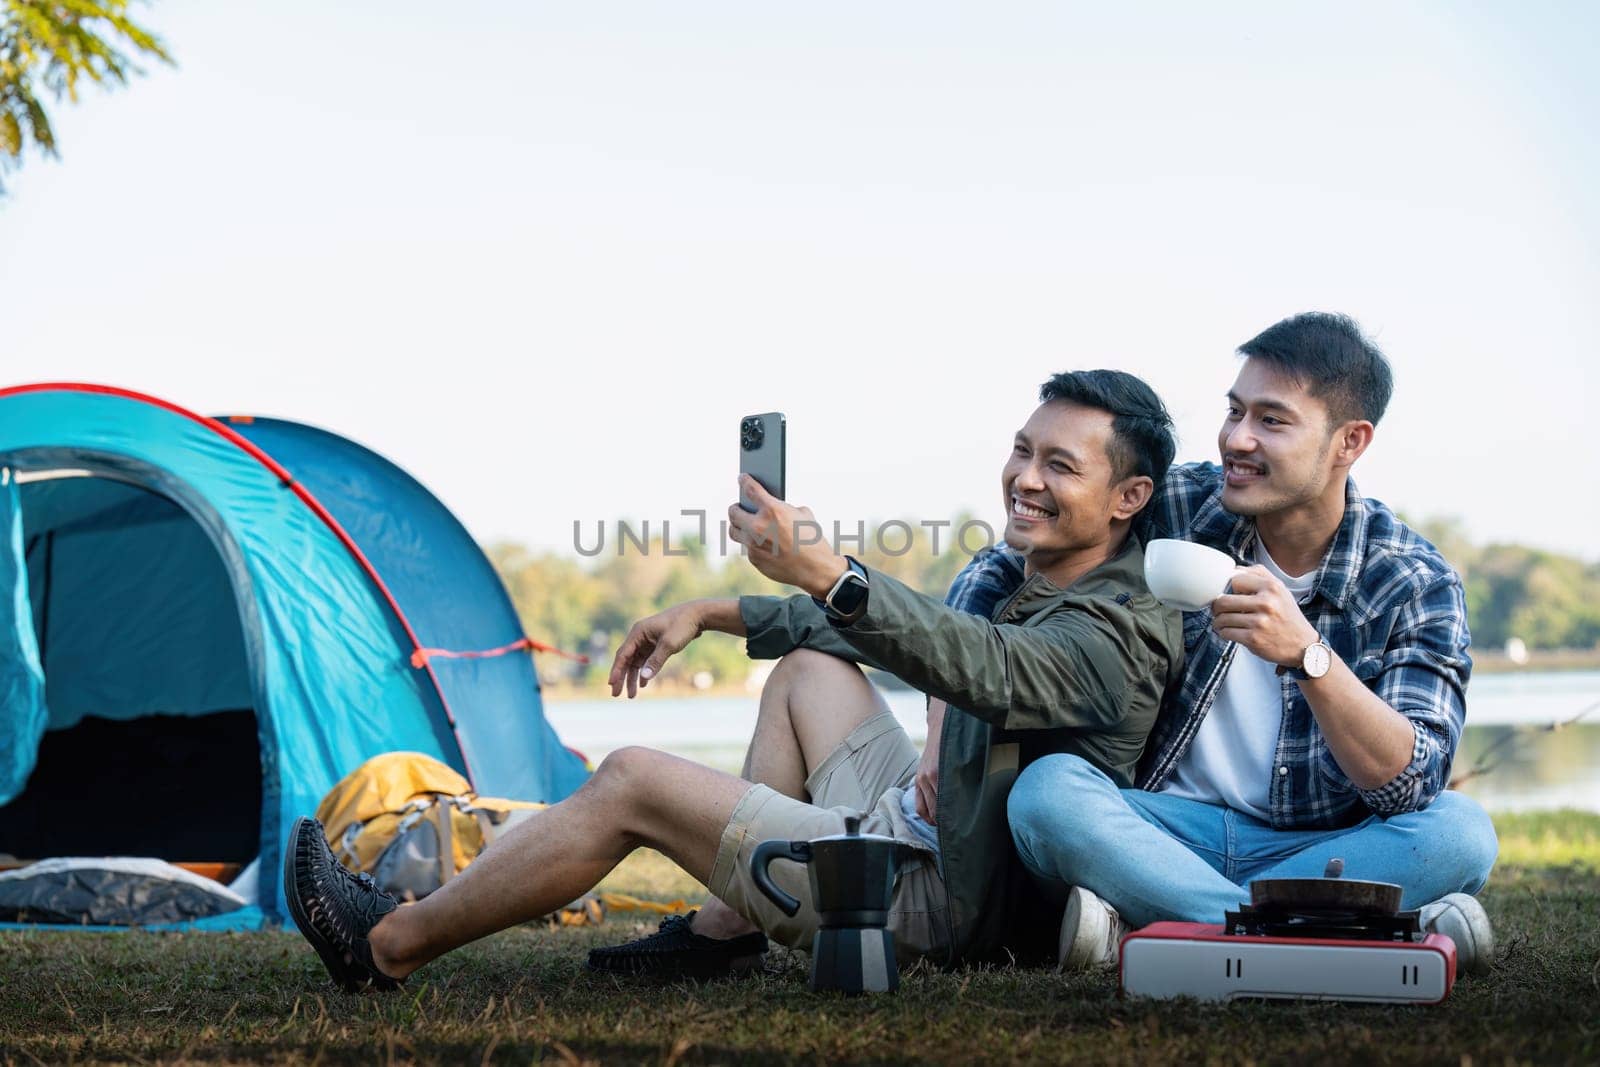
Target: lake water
column 1508, row 716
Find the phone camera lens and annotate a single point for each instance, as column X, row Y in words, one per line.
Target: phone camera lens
column 751, row 434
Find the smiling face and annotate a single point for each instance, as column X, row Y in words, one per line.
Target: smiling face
column 1060, row 494
column 1276, row 444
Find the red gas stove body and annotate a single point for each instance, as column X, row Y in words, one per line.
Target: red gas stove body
column 1171, row 959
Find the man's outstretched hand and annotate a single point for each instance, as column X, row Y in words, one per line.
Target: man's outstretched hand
column 648, row 644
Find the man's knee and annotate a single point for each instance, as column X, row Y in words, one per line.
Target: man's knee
column 1454, row 834
column 807, row 664
column 1464, row 831
column 626, row 770
column 1043, row 806
column 1047, row 781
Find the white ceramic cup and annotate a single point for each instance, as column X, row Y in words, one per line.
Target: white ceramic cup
column 1185, row 575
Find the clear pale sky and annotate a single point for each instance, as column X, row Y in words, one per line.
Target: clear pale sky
column 545, row 255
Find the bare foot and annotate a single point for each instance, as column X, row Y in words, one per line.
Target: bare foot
column 716, row 920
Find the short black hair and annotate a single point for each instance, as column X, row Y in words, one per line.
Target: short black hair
column 1142, row 439
column 1328, row 355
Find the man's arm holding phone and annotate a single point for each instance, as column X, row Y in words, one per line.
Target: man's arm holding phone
column 1073, row 670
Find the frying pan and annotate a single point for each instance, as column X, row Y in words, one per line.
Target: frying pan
column 1331, row 893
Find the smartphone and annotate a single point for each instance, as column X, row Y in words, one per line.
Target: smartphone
column 761, row 448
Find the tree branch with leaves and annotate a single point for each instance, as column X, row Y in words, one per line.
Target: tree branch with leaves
column 51, row 48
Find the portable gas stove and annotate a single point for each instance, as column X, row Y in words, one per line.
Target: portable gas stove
column 1323, row 938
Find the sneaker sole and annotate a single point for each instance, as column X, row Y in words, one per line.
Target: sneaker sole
column 1080, row 951
column 333, row 959
column 1479, row 928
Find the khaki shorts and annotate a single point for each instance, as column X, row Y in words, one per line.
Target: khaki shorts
column 864, row 777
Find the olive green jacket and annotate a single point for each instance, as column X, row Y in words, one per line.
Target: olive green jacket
column 1077, row 670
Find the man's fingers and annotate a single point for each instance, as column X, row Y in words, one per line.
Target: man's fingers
column 619, row 659
column 759, row 526
column 925, row 801
column 1232, row 603
column 743, row 527
column 638, row 647
column 755, row 491
column 1239, row 635
column 619, row 663
column 653, row 663
column 1248, row 579
column 673, row 638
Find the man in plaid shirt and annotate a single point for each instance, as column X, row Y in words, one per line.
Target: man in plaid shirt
column 1323, row 695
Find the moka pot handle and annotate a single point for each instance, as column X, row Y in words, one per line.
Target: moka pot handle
column 765, row 853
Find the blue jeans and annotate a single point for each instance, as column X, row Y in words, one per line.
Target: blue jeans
column 1155, row 857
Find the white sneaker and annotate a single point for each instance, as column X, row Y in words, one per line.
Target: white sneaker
column 1462, row 919
column 1091, row 933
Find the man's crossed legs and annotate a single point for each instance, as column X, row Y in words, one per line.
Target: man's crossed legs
column 1155, row 857
column 704, row 820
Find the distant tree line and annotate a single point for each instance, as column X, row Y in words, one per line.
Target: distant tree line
column 587, row 605
column 1548, row 600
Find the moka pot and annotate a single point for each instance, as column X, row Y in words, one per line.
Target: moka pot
column 852, row 882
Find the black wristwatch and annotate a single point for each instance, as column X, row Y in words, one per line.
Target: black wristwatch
column 847, row 600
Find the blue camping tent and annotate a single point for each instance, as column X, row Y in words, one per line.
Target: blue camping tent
column 206, row 623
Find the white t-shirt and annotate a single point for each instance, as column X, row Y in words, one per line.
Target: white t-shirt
column 1230, row 760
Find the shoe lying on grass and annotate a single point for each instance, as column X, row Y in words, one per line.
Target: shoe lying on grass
column 1462, row 919
column 334, row 909
column 1091, row 933
column 676, row 951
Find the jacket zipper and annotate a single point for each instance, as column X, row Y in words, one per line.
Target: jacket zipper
column 944, row 739
column 938, row 832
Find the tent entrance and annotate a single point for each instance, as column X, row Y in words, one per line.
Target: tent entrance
column 151, row 746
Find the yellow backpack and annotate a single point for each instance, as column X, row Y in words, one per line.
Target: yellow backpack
column 411, row 822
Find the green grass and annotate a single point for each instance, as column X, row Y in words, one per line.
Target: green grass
column 523, row 996
column 1550, row 839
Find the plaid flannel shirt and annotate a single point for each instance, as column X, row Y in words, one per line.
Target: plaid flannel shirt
column 1384, row 599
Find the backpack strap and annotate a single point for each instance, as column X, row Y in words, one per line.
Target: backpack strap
column 447, row 848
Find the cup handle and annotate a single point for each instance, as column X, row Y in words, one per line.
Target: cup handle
column 765, row 853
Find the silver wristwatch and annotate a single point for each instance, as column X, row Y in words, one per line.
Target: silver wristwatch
column 1314, row 662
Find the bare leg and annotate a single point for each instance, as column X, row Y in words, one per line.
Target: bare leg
column 811, row 702
column 636, row 798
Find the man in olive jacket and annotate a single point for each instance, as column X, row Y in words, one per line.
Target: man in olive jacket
column 1074, row 660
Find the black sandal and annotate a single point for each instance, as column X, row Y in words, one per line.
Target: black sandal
column 676, row 951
